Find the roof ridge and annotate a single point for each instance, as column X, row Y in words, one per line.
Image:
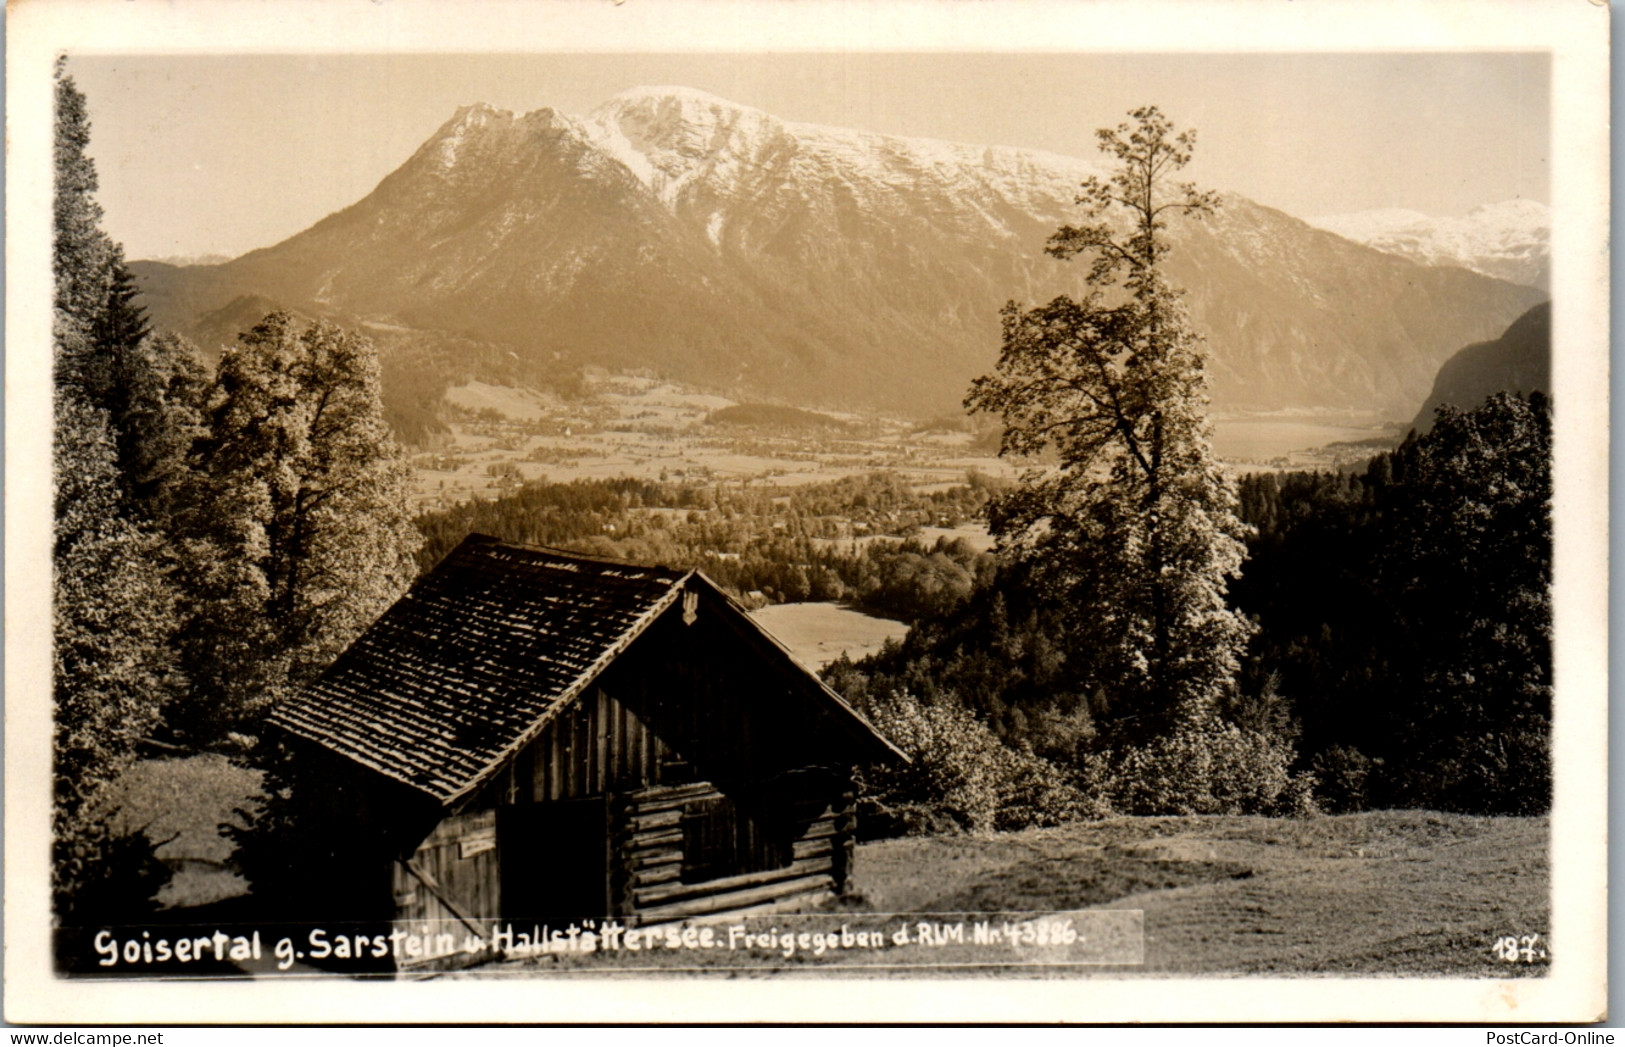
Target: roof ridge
column 475, row 537
column 491, row 646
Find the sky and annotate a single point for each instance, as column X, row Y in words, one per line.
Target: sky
column 221, row 154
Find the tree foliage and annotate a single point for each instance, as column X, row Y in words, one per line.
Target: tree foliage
column 1408, row 611
column 1134, row 525
column 1469, row 562
column 789, row 544
column 1205, row 765
column 298, row 527
column 82, row 256
column 158, row 417
column 961, row 777
column 113, row 609
column 999, row 656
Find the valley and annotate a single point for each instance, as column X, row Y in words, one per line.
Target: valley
column 500, row 437
column 569, row 297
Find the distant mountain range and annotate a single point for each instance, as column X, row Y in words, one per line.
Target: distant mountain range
column 1520, row 361
column 194, row 259
column 1509, row 240
column 675, row 232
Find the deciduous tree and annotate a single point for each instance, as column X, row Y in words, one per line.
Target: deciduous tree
column 301, row 532
column 1132, row 528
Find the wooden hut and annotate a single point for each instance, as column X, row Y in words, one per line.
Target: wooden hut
column 531, row 736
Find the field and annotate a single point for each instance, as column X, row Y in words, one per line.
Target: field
column 819, row 633
column 1388, row 892
column 1379, row 893
column 640, row 427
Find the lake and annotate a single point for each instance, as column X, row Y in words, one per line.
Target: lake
column 1262, row 439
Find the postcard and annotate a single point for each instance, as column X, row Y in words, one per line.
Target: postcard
column 859, row 512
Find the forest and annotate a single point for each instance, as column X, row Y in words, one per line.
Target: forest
column 854, row 539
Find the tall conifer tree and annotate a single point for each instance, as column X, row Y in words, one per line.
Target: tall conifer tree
column 113, row 613
column 82, row 255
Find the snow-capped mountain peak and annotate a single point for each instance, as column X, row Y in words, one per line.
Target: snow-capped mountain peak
column 676, row 231
column 671, row 136
column 701, row 155
column 1508, row 240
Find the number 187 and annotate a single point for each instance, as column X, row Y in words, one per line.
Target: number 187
column 1513, row 949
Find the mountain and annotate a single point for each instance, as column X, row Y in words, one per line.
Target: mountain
column 1509, row 240
column 674, row 231
column 1520, row 361
column 194, row 259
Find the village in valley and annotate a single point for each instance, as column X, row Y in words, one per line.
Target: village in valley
column 605, row 550
column 498, row 437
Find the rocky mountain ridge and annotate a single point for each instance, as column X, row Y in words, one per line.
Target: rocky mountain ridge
column 674, row 232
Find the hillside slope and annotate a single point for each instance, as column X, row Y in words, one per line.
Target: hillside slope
column 1520, row 361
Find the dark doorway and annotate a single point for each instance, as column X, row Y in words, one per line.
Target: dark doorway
column 554, row 861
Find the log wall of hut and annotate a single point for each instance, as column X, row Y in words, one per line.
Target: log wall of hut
column 599, row 816
column 690, row 851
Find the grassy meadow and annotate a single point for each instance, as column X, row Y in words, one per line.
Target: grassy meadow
column 819, row 633
column 1377, row 894
column 1371, row 894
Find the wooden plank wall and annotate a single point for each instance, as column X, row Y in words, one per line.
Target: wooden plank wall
column 597, row 746
column 687, row 701
column 452, row 877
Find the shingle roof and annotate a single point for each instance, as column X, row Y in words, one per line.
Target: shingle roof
column 464, row 669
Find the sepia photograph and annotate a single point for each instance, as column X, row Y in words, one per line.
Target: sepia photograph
column 616, row 512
